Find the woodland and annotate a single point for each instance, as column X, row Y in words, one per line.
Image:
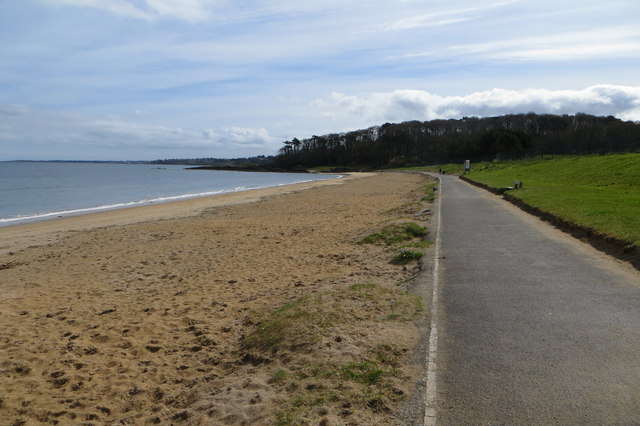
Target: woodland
column 453, row 140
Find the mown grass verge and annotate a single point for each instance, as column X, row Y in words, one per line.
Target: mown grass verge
column 593, row 197
column 600, row 192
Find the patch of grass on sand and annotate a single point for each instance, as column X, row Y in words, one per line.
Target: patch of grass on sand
column 406, row 256
column 395, row 233
column 409, row 233
column 306, row 320
column 430, row 191
column 366, row 372
column 347, row 390
column 294, row 325
column 351, row 383
column 422, row 244
column 278, row 376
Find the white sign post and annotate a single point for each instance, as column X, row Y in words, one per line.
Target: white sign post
column 467, row 165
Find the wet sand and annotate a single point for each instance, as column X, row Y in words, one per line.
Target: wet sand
column 137, row 316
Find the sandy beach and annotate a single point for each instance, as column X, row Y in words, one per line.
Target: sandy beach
column 153, row 315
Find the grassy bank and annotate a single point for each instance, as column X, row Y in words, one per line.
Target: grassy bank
column 600, row 192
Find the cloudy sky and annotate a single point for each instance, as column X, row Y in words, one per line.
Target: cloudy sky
column 148, row 79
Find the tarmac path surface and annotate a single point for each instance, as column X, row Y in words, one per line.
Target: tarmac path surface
column 534, row 327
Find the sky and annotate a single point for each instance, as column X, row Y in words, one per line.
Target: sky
column 156, row 79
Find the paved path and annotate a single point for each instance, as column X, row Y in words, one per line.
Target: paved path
column 534, row 327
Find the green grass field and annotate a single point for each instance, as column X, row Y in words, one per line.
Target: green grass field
column 601, row 192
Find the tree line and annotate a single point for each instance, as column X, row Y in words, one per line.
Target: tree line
column 452, row 140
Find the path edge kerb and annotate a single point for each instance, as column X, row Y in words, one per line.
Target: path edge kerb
column 617, row 247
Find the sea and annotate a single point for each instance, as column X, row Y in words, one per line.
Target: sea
column 33, row 191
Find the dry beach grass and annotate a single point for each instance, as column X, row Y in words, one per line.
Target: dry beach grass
column 213, row 311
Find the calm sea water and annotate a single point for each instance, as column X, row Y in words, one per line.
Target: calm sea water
column 37, row 191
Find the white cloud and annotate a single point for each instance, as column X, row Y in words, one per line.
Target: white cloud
column 187, row 10
column 118, row 7
column 22, row 127
column 239, row 136
column 201, row 10
column 401, row 105
column 441, row 18
column 247, row 136
column 422, row 21
column 575, row 52
column 610, row 42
